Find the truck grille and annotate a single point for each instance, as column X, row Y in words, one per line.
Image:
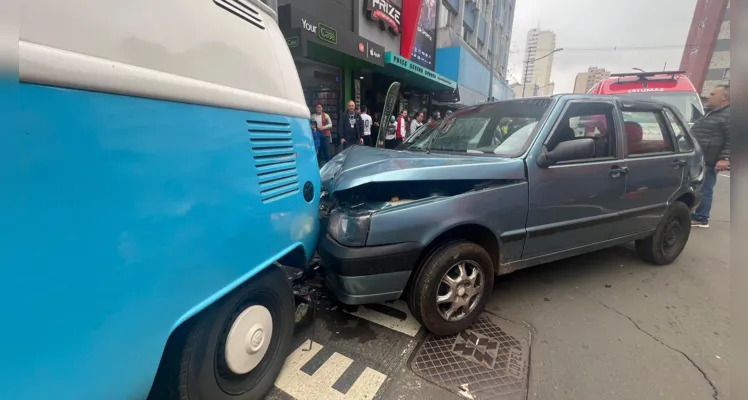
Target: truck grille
column 275, row 159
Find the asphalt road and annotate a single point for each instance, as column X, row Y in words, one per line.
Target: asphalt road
column 603, row 326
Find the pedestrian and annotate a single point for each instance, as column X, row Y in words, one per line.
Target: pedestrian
column 376, row 123
column 390, row 140
column 350, row 127
column 366, row 118
column 317, row 136
column 402, row 127
column 324, row 124
column 713, row 134
column 417, row 122
column 437, row 116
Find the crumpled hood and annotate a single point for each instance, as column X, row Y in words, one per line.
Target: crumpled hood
column 359, row 165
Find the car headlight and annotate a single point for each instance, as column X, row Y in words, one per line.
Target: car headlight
column 349, row 229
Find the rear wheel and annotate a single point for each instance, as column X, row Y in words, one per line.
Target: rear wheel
column 669, row 238
column 451, row 287
column 236, row 349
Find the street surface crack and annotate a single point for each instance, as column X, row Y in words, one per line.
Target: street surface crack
column 715, row 392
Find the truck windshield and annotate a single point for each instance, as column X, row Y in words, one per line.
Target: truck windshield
column 688, row 103
column 501, row 128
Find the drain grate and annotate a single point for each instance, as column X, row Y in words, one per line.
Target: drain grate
column 489, row 360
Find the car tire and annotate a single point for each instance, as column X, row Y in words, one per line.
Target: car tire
column 429, row 282
column 199, row 367
column 669, row 238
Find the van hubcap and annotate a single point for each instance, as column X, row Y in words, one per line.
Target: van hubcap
column 459, row 291
column 248, row 339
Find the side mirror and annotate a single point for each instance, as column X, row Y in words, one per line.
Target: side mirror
column 576, row 149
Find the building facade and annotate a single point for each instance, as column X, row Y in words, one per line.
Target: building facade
column 706, row 57
column 473, row 40
column 586, row 80
column 354, row 50
column 538, row 62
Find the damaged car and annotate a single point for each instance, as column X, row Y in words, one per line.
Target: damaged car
column 499, row 187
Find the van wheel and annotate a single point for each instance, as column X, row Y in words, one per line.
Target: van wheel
column 451, row 287
column 670, row 237
column 236, row 349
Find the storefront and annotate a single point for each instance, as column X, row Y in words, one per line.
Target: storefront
column 408, row 32
column 328, row 53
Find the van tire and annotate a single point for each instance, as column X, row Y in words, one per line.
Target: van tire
column 427, row 283
column 199, row 370
column 669, row 238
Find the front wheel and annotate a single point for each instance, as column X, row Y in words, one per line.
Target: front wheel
column 236, row 348
column 669, row 238
column 452, row 287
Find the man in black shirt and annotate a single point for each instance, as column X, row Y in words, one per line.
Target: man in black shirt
column 713, row 134
column 351, row 127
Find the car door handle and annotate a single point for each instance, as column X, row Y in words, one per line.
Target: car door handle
column 616, row 171
column 679, row 163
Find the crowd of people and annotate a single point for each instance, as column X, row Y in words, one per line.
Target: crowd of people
column 357, row 127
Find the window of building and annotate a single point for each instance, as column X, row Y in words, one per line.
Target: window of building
column 726, row 75
column 446, row 16
column 646, row 133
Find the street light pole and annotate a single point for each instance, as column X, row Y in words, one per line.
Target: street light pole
column 527, row 66
column 493, row 55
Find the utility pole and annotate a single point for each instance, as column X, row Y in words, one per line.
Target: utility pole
column 493, row 54
column 527, row 66
column 524, row 76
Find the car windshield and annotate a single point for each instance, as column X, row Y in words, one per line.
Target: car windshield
column 501, row 128
column 688, row 103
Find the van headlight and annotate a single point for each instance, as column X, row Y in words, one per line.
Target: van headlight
column 349, row 229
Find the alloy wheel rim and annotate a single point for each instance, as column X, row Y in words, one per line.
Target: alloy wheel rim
column 459, row 291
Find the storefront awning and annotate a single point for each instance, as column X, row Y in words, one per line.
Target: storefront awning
column 416, row 75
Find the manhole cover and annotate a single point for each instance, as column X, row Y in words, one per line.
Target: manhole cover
column 489, row 360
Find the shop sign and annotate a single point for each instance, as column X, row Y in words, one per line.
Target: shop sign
column 388, row 15
column 424, row 47
column 292, row 42
column 324, row 32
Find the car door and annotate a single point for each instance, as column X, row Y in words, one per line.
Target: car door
column 655, row 168
column 573, row 203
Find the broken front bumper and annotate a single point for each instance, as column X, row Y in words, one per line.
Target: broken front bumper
column 360, row 275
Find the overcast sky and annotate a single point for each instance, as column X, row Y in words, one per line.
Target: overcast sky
column 647, row 33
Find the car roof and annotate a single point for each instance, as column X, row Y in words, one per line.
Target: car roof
column 624, row 101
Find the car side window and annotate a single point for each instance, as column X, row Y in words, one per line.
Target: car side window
column 590, row 120
column 685, row 145
column 645, row 133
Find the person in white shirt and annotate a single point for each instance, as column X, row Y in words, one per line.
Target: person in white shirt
column 417, row 122
column 390, row 140
column 366, row 118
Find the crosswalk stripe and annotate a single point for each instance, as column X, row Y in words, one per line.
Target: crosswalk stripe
column 318, row 386
column 409, row 326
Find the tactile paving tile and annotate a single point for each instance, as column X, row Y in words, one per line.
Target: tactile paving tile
column 489, row 360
